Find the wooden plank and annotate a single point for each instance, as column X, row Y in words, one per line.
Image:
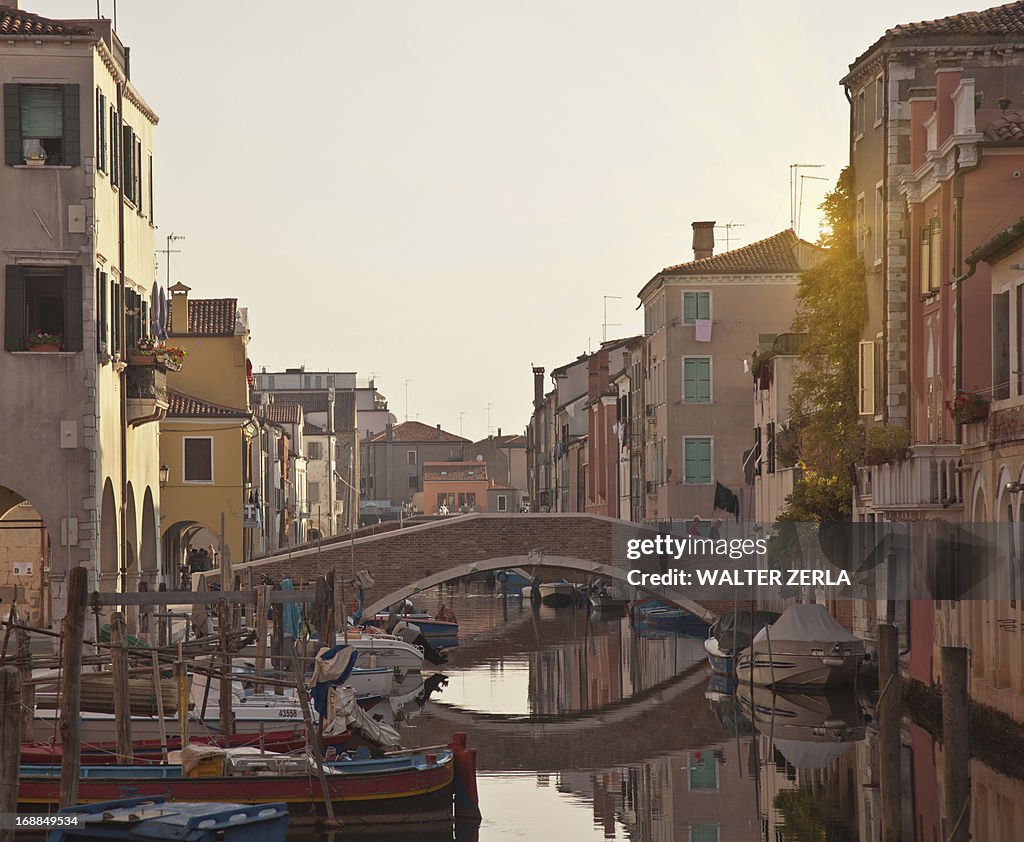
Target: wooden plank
column 71, row 686
column 10, row 747
column 198, row 597
column 122, row 704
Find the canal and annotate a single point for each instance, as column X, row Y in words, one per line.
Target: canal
column 587, row 728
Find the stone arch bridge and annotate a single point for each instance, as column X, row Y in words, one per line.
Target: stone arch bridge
column 404, row 562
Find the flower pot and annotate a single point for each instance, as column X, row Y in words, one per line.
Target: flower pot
column 36, row 162
column 48, row 348
column 141, row 359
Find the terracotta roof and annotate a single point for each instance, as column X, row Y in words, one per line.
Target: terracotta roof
column 454, row 471
column 181, row 405
column 998, row 22
column 511, row 440
column 415, row 431
column 771, row 256
column 282, row 413
column 16, row 22
column 313, row 430
column 312, row 400
column 209, row 317
column 1006, row 130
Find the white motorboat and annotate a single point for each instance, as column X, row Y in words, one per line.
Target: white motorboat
column 385, row 650
column 554, row 593
column 804, row 648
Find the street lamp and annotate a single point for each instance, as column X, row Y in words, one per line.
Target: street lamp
column 165, row 475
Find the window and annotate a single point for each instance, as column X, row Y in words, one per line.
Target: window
column 770, row 433
column 313, row 492
column 115, row 147
column 866, row 378
column 1001, row 345
column 129, row 171
column 858, row 116
column 935, row 244
column 861, row 224
column 414, row 482
column 314, row 450
column 198, row 459
column 101, row 131
column 149, row 188
column 41, row 124
column 879, row 100
column 697, row 460
column 410, row 457
column 705, row 832
column 696, row 305
column 43, row 300
column 877, row 236
column 502, row 503
column 703, row 769
column 102, row 336
column 697, row 379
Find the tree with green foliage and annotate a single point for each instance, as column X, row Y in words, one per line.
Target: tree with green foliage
column 831, row 312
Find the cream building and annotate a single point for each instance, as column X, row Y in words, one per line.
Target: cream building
column 79, row 440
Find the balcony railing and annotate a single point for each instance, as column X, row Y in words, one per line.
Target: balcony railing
column 928, row 478
column 146, row 390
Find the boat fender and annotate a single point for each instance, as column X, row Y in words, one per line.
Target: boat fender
column 467, row 801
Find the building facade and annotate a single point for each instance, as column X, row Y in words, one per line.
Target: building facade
column 77, row 238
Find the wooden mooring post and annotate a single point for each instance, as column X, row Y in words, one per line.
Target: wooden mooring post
column 28, row 690
column 223, row 619
column 10, row 748
column 71, row 686
column 956, row 751
column 122, row 703
column 262, row 606
column 889, row 732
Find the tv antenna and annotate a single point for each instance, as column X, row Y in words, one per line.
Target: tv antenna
column 792, row 189
column 407, row 382
column 728, row 231
column 167, row 251
column 607, row 324
column 800, row 204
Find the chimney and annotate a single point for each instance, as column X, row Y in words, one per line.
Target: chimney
column 179, row 307
column 439, row 426
column 538, row 386
column 703, row 240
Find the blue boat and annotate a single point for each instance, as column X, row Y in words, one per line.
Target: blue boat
column 511, row 582
column 156, row 817
column 655, row 614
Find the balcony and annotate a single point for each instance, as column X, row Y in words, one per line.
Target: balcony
column 928, row 479
column 146, row 390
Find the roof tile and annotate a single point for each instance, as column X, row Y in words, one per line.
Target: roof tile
column 415, row 431
column 181, row 405
column 210, row 317
column 773, row 255
column 16, row 22
column 454, row 471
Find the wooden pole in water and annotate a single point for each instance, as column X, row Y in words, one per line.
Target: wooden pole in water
column 311, row 740
column 262, row 603
column 122, row 704
column 28, row 690
column 160, row 708
column 182, row 676
column 956, row 752
column 71, row 686
column 10, row 748
column 889, row 732
column 277, row 644
column 225, row 668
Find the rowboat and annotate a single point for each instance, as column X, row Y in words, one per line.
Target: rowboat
column 656, row 614
column 158, row 818
column 804, row 648
column 392, row 790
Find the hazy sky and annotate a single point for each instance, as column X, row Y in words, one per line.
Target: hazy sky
column 443, row 191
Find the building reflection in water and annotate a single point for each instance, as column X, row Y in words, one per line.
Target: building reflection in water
column 630, row 737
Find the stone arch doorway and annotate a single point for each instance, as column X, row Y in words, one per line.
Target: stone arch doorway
column 109, row 567
column 25, row 552
column 149, row 556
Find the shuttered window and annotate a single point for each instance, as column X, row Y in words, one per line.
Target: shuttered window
column 101, row 131
column 115, row 147
column 198, row 458
column 43, row 300
column 41, row 123
column 697, row 379
column 697, row 460
column 866, row 378
column 696, row 305
column 102, row 319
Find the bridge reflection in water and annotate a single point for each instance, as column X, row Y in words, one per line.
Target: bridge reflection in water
column 586, row 730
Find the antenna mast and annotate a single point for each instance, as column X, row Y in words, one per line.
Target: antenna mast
column 728, row 231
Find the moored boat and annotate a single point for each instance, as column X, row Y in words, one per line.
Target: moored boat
column 656, row 614
column 804, row 648
column 417, row 787
column 159, row 818
column 730, row 634
column 556, row 594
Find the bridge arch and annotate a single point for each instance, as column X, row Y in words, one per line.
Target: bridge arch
column 534, row 562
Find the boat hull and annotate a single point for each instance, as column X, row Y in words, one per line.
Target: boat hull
column 397, row 795
column 798, row 664
column 721, row 662
column 557, row 594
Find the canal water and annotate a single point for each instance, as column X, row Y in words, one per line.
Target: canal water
column 587, row 728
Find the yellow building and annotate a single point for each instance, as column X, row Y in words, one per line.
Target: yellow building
column 204, row 440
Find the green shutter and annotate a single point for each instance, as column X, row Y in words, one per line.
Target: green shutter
column 115, row 148
column 703, row 305
column 697, row 380
column 127, row 182
column 689, row 307
column 71, row 130
column 698, row 460
column 14, row 309
column 73, row 309
column 12, row 125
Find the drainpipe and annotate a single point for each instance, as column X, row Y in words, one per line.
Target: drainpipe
column 122, row 376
